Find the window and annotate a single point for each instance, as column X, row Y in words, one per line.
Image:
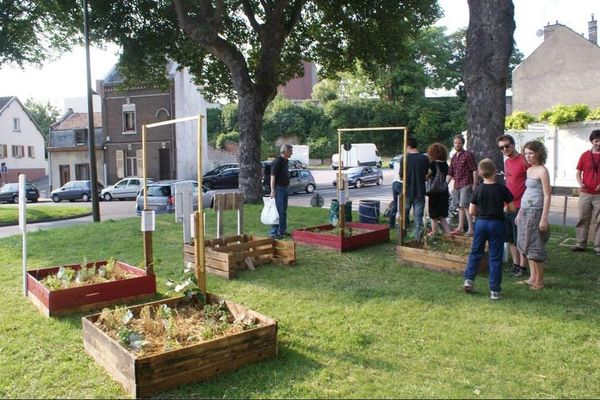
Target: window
column 30, row 151
column 16, row 125
column 81, row 137
column 18, row 151
column 3, row 151
column 82, row 171
column 129, row 119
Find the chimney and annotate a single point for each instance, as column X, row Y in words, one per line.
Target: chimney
column 593, row 31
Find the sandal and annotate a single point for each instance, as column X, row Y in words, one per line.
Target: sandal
column 523, row 283
column 536, row 287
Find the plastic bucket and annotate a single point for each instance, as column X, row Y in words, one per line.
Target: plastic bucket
column 368, row 211
column 334, row 211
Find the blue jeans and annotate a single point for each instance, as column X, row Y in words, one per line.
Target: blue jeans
column 281, row 201
column 396, row 191
column 418, row 206
column 492, row 231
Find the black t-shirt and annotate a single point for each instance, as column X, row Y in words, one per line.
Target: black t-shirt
column 279, row 169
column 417, row 166
column 490, row 199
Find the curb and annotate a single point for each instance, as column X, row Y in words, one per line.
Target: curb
column 3, row 224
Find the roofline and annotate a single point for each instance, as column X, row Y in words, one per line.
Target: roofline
column 7, row 104
column 24, row 110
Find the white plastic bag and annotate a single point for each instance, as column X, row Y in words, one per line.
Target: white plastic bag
column 269, row 214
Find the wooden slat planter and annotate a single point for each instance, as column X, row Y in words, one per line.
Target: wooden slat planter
column 318, row 236
column 227, row 255
column 89, row 297
column 411, row 254
column 144, row 376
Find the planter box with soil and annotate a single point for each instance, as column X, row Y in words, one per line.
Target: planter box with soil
column 172, row 342
column 71, row 288
column 356, row 236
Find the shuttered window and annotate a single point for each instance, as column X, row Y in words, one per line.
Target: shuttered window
column 140, row 162
column 120, row 164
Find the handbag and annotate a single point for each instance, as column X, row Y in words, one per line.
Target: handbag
column 269, row 214
column 436, row 184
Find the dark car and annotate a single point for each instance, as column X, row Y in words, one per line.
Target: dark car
column 360, row 176
column 10, row 193
column 394, row 160
column 220, row 169
column 296, row 164
column 226, row 179
column 75, row 190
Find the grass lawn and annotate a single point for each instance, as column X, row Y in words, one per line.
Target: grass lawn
column 357, row 325
column 9, row 215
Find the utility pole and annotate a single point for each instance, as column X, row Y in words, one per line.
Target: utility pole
column 90, row 107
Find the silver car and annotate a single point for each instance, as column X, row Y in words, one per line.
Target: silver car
column 126, row 188
column 161, row 196
column 301, row 180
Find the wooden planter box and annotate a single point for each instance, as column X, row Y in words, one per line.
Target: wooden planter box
column 227, row 255
column 317, row 236
column 89, row 297
column 144, row 376
column 411, row 254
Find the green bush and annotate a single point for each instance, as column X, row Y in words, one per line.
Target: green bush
column 233, row 136
column 518, row 120
column 214, row 124
column 594, row 115
column 561, row 114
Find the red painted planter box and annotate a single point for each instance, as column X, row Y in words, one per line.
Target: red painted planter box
column 89, row 297
column 376, row 233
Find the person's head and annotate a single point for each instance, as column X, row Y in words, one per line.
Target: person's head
column 458, row 142
column 535, row 152
column 286, row 150
column 412, row 143
column 487, row 168
column 437, row 151
column 506, row 144
column 595, row 139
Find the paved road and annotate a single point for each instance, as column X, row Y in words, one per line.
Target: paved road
column 324, row 178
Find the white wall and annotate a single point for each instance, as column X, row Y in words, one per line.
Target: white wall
column 28, row 135
column 564, row 143
column 189, row 102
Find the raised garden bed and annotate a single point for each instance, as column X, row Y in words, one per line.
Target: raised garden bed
column 356, row 236
column 227, row 255
column 143, row 375
column 134, row 284
column 440, row 259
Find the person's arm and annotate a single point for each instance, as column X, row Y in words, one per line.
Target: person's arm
column 579, row 178
column 510, row 207
column 547, row 198
column 272, row 182
column 473, row 209
column 274, row 170
column 475, row 179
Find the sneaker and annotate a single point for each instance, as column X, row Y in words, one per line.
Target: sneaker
column 578, row 247
column 468, row 286
column 519, row 272
column 495, row 295
column 512, row 269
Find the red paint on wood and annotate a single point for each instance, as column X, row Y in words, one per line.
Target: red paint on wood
column 377, row 233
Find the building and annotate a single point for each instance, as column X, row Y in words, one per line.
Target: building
column 68, row 155
column 21, row 143
column 562, row 70
column 300, row 88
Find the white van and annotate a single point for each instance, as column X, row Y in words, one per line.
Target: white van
column 359, row 154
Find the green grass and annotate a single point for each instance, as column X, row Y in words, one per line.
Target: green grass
column 350, row 325
column 39, row 213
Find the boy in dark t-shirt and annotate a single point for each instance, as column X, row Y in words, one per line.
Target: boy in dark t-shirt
column 487, row 204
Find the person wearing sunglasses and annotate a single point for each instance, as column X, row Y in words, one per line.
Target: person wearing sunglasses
column 515, row 174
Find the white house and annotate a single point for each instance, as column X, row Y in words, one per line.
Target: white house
column 21, row 143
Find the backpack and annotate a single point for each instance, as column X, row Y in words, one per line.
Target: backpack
column 437, row 184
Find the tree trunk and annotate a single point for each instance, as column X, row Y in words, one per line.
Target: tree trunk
column 489, row 45
column 250, row 118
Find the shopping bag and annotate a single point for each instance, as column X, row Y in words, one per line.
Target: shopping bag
column 269, row 214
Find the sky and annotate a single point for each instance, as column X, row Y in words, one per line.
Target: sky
column 66, row 77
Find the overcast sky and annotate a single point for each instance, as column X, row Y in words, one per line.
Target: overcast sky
column 65, row 78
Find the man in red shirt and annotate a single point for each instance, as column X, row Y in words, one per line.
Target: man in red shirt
column 463, row 170
column 588, row 177
column 515, row 174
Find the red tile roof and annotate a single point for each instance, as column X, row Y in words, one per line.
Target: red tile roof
column 77, row 121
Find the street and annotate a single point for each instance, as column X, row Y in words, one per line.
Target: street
column 324, row 178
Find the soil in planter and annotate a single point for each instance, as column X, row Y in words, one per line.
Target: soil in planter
column 348, row 232
column 160, row 328
column 67, row 277
column 439, row 244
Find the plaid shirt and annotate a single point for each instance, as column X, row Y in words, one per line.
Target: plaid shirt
column 461, row 169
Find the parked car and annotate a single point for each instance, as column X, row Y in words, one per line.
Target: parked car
column 360, row 176
column 301, row 180
column 10, row 193
column 226, row 179
column 161, row 196
column 75, row 190
column 394, row 160
column 126, row 188
column 296, row 164
column 220, row 169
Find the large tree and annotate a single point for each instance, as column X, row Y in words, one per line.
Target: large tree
column 489, row 46
column 44, row 115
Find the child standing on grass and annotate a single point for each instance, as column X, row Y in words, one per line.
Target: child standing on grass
column 532, row 219
column 487, row 204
